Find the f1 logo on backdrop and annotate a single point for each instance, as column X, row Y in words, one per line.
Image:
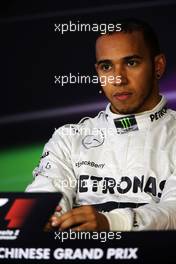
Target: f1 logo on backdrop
column 16, row 211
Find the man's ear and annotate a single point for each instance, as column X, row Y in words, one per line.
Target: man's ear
column 160, row 65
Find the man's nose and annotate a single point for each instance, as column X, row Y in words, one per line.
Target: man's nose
column 120, row 76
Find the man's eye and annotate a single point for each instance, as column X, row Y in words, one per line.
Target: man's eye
column 105, row 67
column 132, row 63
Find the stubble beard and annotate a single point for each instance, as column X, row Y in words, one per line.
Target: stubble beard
column 137, row 108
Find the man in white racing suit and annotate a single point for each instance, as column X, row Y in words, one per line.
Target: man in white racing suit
column 117, row 171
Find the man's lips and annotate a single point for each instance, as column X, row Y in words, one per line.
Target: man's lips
column 122, row 96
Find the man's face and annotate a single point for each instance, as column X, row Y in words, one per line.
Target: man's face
column 127, row 55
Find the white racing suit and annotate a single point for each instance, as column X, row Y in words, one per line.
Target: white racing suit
column 124, row 165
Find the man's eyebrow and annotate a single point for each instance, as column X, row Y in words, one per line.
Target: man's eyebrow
column 135, row 56
column 132, row 57
column 103, row 61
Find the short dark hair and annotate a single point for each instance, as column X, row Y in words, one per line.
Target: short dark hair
column 131, row 25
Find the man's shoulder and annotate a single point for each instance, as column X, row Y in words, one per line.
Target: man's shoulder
column 170, row 123
column 172, row 114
